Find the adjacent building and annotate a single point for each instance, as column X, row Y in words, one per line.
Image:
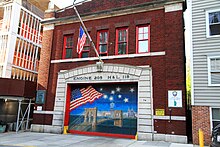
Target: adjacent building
column 139, row 90
column 21, row 39
column 20, row 46
column 205, row 67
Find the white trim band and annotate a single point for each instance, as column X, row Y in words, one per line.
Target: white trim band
column 180, row 118
column 12, row 98
column 173, row 7
column 48, row 112
column 51, row 18
column 183, row 118
column 48, row 27
column 110, row 57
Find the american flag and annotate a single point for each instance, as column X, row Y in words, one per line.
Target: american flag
column 82, row 96
column 81, row 40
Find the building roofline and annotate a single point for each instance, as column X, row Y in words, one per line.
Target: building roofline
column 148, row 6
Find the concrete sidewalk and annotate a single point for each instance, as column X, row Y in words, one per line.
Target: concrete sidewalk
column 30, row 139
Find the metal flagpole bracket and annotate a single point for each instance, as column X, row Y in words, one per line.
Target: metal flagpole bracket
column 100, row 63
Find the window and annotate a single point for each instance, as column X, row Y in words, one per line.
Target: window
column 215, row 116
column 214, row 71
column 86, row 49
column 103, row 42
column 121, row 41
column 142, row 41
column 68, row 47
column 213, row 22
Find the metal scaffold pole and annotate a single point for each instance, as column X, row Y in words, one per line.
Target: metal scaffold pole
column 28, row 115
column 18, row 117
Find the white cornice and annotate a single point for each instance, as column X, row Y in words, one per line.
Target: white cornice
column 173, row 7
column 48, row 27
column 110, row 57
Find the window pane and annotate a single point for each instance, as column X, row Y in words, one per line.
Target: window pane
column 140, row 36
column 141, row 30
column 214, row 17
column 215, row 123
column 103, row 48
column 215, row 29
column 146, row 36
column 106, row 37
column 215, row 64
column 216, row 113
column 212, row 64
column 68, row 53
column 69, row 41
column 122, row 48
column 215, row 78
column 85, row 54
column 142, row 33
column 143, row 46
column 122, row 35
column 145, row 29
column 87, row 43
column 214, row 22
column 86, row 48
column 103, row 37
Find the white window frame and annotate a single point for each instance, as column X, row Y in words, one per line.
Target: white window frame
column 211, row 118
column 209, row 70
column 207, row 23
column 210, row 113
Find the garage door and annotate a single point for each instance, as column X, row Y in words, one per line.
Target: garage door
column 104, row 109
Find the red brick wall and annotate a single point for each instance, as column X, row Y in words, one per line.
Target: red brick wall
column 45, row 119
column 170, row 127
column 157, row 30
column 175, row 59
column 49, row 15
column 45, row 56
column 43, row 74
column 103, row 5
column 166, row 34
column 201, row 120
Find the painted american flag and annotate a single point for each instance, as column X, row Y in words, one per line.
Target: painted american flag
column 81, row 40
column 82, row 96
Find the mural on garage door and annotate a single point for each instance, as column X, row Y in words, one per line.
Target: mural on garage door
column 104, row 108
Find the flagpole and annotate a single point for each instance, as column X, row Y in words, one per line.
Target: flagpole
column 87, row 34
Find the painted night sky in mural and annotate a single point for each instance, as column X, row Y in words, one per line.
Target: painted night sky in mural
column 104, row 108
column 115, row 96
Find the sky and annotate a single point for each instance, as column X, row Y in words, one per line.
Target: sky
column 64, row 3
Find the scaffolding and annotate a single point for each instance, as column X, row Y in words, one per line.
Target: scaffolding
column 23, row 116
